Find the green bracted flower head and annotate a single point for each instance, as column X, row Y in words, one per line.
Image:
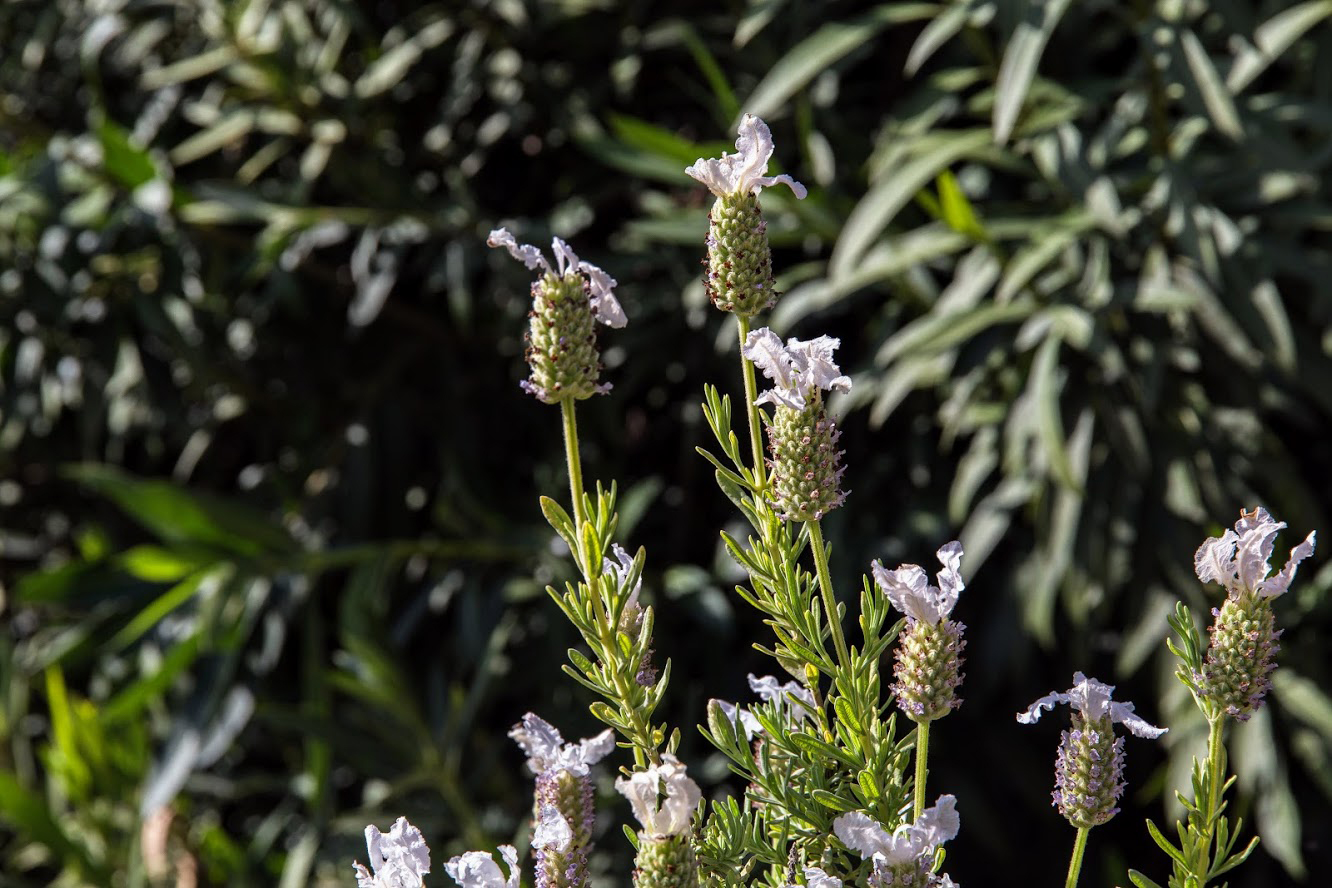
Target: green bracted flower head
column 663, row 798
column 1089, row 766
column 929, row 653
column 567, row 301
column 739, row 277
column 1242, row 654
column 806, row 462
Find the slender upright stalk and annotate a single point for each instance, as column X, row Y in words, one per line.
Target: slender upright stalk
column 751, row 392
column 574, row 460
column 825, row 586
column 922, row 757
column 1216, row 766
column 1075, row 865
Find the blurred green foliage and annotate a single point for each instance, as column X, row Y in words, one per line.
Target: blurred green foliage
column 1077, row 254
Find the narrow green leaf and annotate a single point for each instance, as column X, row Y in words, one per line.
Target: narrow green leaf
column 819, row 51
column 1021, row 57
column 1140, row 880
column 1272, row 38
column 1218, row 100
column 829, row 800
column 1164, row 844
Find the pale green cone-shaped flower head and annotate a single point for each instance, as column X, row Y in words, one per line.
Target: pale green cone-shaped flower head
column 399, row 859
column 739, row 277
column 665, row 862
column 1238, row 559
column 477, row 869
column 1090, row 763
column 567, row 300
column 663, row 797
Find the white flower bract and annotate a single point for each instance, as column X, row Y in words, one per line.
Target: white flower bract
column 910, row 841
column 1238, row 559
column 552, row 830
column 547, row 751
column 909, row 590
column 399, row 859
column 789, row 698
column 817, row 878
column 743, row 172
column 796, row 369
column 663, row 797
column 601, row 285
column 1092, row 698
column 477, row 869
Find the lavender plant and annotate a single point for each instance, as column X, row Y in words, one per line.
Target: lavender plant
column 835, row 792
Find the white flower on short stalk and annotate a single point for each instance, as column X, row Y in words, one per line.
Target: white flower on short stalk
column 1092, row 698
column 477, row 869
column 547, row 752
column 909, row 590
column 817, row 878
column 399, row 859
column 552, row 830
column 1238, row 559
column 743, row 172
column 663, row 797
column 909, row 842
column 620, row 568
column 797, row 369
column 601, row 285
column 788, row 698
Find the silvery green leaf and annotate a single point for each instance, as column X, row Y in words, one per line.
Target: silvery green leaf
column 1021, row 57
column 1216, row 97
column 1272, row 38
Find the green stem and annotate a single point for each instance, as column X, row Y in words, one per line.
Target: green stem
column 1216, row 767
column 825, row 586
column 922, row 757
column 751, row 392
column 574, row 460
column 1075, row 865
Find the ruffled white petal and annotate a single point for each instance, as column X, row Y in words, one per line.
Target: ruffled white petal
column 908, row 590
column 1032, row 713
column 1278, row 584
column 1092, row 699
column 861, row 833
column 566, row 260
column 950, row 577
column 764, row 348
column 1239, row 559
column 552, row 830
column 796, row 369
column 936, row 825
column 604, row 303
column 939, row 823
column 547, row 751
column 743, row 172
column 663, row 797
column 526, row 253
column 817, row 878
column 399, row 859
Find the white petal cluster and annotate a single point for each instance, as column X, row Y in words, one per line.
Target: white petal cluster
column 910, row 841
column 477, row 869
column 1238, row 559
column 601, row 285
column 1092, row 698
column 743, row 172
column 817, row 878
column 663, row 797
column 909, row 590
column 399, row 859
column 789, row 698
column 621, row 568
column 552, row 830
column 547, row 751
column 796, row 369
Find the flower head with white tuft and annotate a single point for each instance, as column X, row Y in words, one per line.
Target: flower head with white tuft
column 399, row 859
column 817, row 878
column 547, row 751
column 663, row 797
column 743, row 172
column 601, row 285
column 477, row 869
column 798, row 369
column 909, row 590
column 1091, row 699
column 1238, row 559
